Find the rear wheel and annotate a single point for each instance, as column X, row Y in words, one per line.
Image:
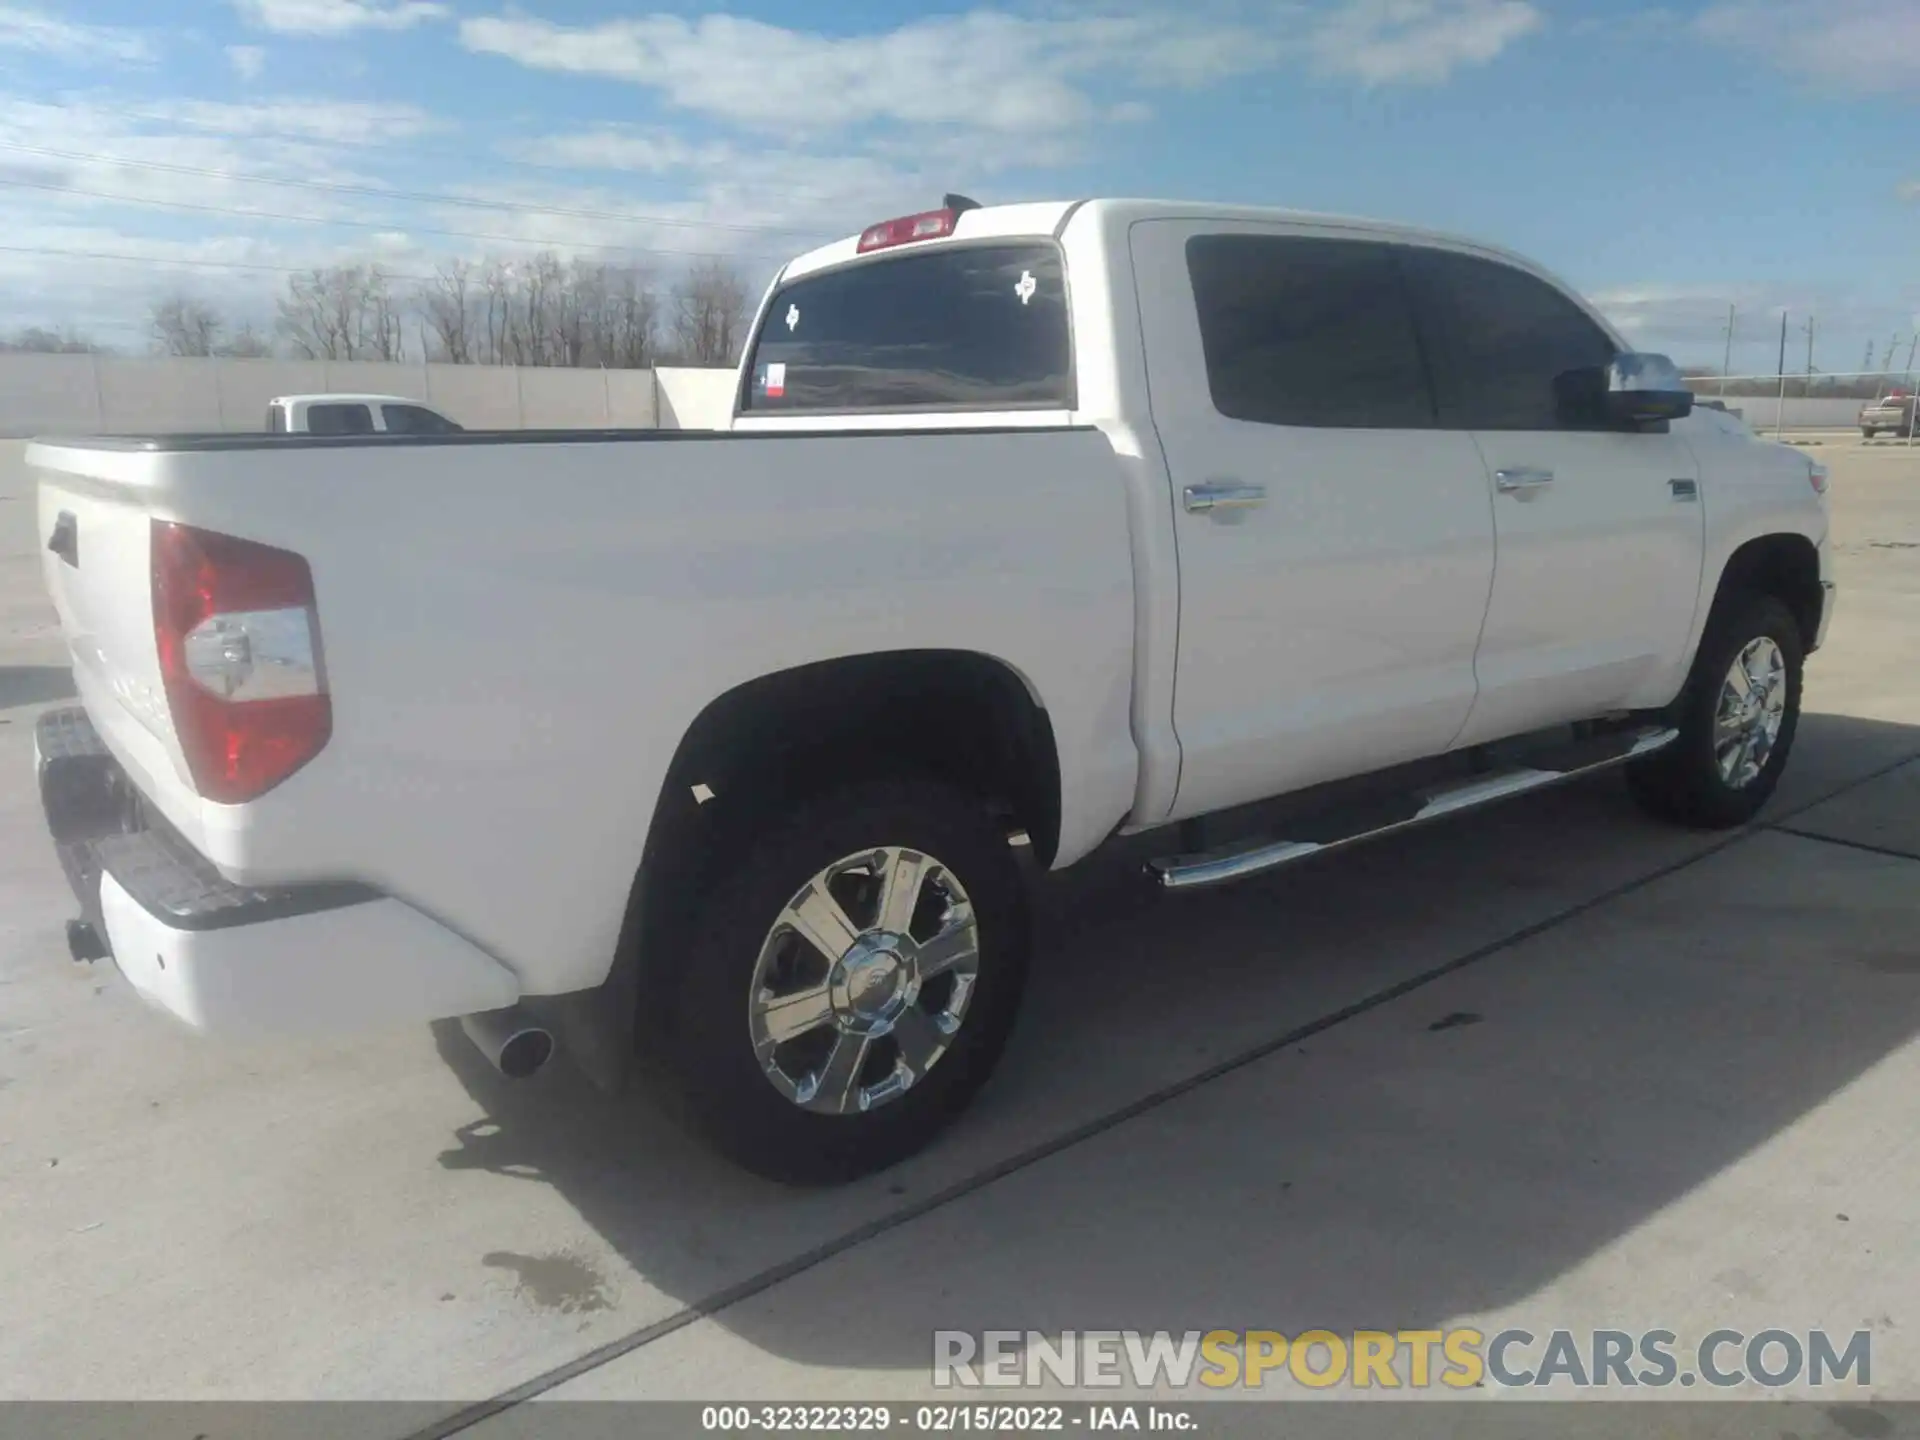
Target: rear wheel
column 849, row 985
column 1737, row 718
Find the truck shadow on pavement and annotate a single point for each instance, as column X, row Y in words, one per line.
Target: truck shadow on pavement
column 1417, row 1081
column 34, row 685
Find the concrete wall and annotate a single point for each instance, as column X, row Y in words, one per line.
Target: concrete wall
column 695, row 399
column 77, row 394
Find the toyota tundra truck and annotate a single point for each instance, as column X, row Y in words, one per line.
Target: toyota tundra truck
column 1254, row 533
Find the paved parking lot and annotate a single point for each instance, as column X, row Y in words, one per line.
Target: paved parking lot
column 1554, row 1066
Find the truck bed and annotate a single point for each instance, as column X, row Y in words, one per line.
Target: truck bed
column 518, row 629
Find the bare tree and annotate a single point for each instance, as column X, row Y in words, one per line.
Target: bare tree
column 346, row 312
column 186, row 325
column 538, row 310
column 496, row 283
column 629, row 322
column 709, row 314
column 385, row 337
column 447, row 306
column 36, row 340
column 246, row 343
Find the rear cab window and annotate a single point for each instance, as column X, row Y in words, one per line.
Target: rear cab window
column 962, row 327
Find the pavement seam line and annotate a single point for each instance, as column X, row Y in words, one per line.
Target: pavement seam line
column 470, row 1415
column 1867, row 846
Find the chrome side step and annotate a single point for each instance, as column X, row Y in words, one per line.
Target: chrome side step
column 1255, row 857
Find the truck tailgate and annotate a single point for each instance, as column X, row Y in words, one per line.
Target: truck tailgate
column 95, row 527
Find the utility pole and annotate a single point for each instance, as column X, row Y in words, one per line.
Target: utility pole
column 1808, row 327
column 1780, row 408
column 1726, row 365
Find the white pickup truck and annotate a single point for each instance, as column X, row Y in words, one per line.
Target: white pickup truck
column 1037, row 525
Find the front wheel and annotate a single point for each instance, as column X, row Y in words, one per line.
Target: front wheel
column 1737, row 718
column 849, row 985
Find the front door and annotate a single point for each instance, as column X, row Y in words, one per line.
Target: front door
column 1598, row 531
column 1335, row 545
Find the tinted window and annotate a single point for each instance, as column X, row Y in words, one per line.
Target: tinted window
column 1505, row 338
column 973, row 328
column 339, row 420
column 1308, row 332
column 417, row 420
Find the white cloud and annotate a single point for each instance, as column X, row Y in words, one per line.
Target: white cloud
column 608, row 147
column 338, row 17
column 352, row 121
column 40, row 33
column 987, row 71
column 997, row 73
column 1382, row 42
column 248, row 61
column 1866, row 44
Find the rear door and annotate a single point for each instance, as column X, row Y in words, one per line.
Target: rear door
column 1335, row 545
column 1598, row 530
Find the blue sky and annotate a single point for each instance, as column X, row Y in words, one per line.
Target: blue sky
column 1669, row 160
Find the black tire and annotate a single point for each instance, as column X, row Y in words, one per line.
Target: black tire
column 719, row 1083
column 1683, row 783
column 1867, row 433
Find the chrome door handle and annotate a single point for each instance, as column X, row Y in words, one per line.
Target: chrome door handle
column 1510, row 482
column 1222, row 495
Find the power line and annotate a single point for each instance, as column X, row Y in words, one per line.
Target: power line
column 65, row 254
column 229, row 210
column 207, row 127
column 423, row 197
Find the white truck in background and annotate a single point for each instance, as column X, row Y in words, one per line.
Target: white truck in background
column 713, row 745
column 344, row 414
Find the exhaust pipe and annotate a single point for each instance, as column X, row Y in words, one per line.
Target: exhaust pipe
column 84, row 943
column 512, row 1043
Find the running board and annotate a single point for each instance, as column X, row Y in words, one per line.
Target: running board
column 1255, row 857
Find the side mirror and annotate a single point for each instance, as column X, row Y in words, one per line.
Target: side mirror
column 1633, row 390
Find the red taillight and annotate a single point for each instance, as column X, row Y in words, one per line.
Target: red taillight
column 927, row 225
column 239, row 642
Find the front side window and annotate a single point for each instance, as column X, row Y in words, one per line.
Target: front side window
column 1505, row 340
column 1305, row 331
column 417, row 420
column 976, row 327
column 338, row 419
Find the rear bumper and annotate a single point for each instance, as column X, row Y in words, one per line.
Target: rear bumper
column 230, row 958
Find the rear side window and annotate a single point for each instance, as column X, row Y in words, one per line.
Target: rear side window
column 339, row 420
column 416, row 420
column 1302, row 331
column 979, row 327
column 1503, row 338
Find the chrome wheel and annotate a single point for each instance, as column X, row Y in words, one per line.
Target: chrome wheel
column 863, row 981
column 1753, row 705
